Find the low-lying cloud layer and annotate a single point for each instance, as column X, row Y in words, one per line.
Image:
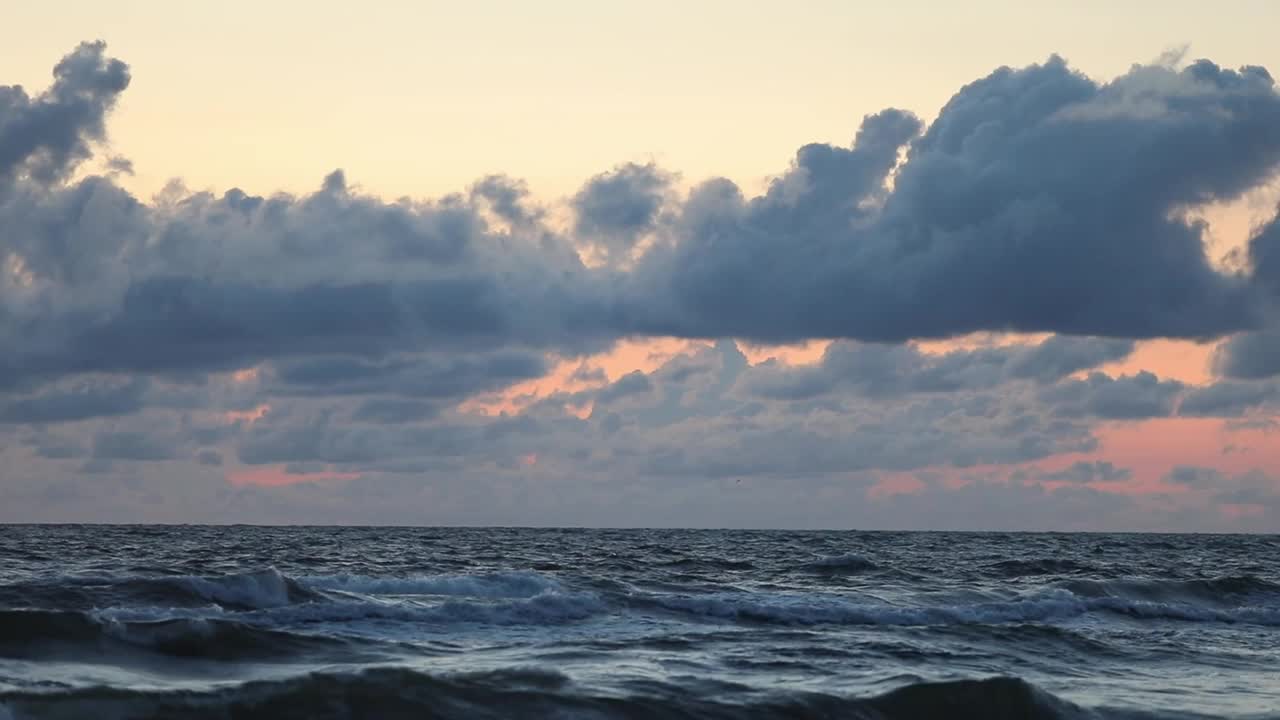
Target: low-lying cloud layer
column 170, row 358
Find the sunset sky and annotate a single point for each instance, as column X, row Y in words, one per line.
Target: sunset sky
column 992, row 265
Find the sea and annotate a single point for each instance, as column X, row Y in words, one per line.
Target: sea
column 106, row 622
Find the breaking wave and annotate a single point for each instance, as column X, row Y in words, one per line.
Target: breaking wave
column 149, row 623
column 240, row 591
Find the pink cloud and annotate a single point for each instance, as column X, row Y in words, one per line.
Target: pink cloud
column 276, row 476
column 891, row 484
column 247, row 416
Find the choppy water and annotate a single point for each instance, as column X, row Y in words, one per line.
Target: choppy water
column 140, row 622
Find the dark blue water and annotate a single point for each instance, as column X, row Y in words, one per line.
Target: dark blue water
column 158, row 622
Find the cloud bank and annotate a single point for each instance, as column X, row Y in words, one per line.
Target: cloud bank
column 336, row 335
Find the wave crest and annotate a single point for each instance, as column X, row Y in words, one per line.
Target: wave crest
column 398, row 692
column 489, row 585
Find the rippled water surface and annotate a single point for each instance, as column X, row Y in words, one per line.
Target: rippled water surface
column 142, row 622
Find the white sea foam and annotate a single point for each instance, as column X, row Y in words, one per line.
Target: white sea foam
column 261, row 589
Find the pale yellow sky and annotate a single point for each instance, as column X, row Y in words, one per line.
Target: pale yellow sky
column 420, row 98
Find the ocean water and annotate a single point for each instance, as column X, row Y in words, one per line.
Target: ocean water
column 246, row 622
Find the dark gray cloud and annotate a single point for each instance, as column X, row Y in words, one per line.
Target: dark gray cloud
column 1087, row 472
column 1252, row 488
column 632, row 383
column 935, row 432
column 1229, row 398
column 587, row 374
column 1038, row 200
column 131, row 445
column 51, row 446
column 1015, row 506
column 1031, row 204
column 1196, row 477
column 1264, row 256
column 1128, row 397
column 615, row 209
column 330, row 438
column 881, row 370
column 211, row 458
column 1249, row 356
column 422, row 376
column 117, row 165
column 1059, row 356
column 642, row 426
column 393, row 410
column 46, row 136
column 78, row 399
column 508, row 198
column 224, row 283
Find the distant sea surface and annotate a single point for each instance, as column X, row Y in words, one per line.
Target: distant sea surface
column 246, row 622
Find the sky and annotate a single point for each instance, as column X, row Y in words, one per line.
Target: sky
column 1008, row 266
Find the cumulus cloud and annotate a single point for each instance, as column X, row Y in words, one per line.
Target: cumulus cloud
column 425, row 376
column 45, row 137
column 338, row 332
column 1015, row 506
column 881, row 369
column 1264, row 256
column 1032, row 203
column 78, row 399
column 209, row 457
column 616, row 209
column 1249, row 356
column 508, row 198
column 1229, row 398
column 394, row 410
column 632, row 383
column 1253, row 488
column 97, row 281
column 130, row 445
column 1198, row 477
column 1087, row 472
column 1128, row 397
column 1029, row 204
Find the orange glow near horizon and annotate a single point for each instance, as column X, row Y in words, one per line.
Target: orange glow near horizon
column 806, row 353
column 245, row 375
column 1239, row 512
column 275, row 476
column 1154, row 447
column 247, row 416
column 1150, row 449
column 897, row 483
column 978, row 340
column 626, row 357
